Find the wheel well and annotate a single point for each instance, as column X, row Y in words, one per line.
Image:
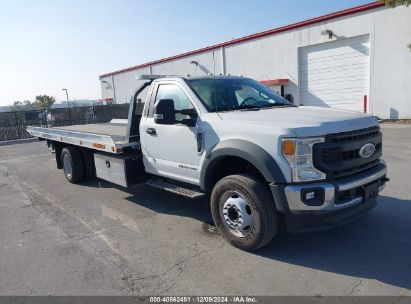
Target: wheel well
column 228, row 165
column 59, row 146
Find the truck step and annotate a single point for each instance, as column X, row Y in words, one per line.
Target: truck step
column 174, row 188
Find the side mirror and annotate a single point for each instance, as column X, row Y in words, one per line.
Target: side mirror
column 164, row 112
column 192, row 114
column 189, row 112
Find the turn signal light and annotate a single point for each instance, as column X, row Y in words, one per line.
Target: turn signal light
column 99, row 146
column 288, row 147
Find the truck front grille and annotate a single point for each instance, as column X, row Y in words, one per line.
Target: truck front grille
column 339, row 155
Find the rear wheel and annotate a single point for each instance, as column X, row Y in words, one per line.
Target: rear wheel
column 244, row 212
column 73, row 166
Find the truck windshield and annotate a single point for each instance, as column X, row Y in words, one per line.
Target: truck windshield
column 235, row 94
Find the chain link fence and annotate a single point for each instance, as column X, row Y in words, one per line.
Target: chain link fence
column 13, row 124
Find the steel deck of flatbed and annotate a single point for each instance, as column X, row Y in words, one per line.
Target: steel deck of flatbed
column 109, row 129
column 108, row 137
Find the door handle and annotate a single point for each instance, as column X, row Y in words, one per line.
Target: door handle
column 151, row 131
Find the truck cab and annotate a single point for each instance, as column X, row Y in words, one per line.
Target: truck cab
column 254, row 156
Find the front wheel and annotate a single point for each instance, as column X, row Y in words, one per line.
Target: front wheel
column 244, row 212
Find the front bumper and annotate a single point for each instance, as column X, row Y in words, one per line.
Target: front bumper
column 335, row 202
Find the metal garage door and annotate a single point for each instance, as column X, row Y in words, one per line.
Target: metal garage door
column 336, row 74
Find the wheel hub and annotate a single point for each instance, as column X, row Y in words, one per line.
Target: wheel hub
column 232, row 214
column 237, row 214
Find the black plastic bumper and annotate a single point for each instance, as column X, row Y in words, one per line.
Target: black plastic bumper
column 313, row 221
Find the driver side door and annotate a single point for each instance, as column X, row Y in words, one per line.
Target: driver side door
column 171, row 149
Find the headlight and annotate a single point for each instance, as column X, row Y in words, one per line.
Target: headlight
column 299, row 154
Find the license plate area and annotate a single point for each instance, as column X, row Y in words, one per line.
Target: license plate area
column 370, row 191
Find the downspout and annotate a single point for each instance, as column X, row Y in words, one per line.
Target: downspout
column 223, row 67
column 114, row 89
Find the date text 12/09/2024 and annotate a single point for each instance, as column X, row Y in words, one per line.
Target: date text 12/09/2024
column 203, row 299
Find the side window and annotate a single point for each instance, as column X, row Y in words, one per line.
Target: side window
column 174, row 92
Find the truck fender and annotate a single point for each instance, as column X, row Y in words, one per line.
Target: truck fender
column 246, row 150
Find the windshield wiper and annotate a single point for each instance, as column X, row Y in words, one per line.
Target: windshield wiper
column 247, row 107
column 277, row 105
column 243, row 107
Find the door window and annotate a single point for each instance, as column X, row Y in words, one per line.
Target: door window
column 181, row 101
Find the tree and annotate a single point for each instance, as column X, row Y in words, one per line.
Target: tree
column 25, row 105
column 44, row 102
column 395, row 3
column 17, row 106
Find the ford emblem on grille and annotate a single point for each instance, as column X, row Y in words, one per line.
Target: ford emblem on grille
column 367, row 150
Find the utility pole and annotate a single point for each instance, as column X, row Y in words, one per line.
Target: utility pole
column 68, row 104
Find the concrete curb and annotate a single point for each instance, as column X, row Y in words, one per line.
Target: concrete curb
column 18, row 141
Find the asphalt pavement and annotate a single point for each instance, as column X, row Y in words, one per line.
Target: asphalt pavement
column 98, row 239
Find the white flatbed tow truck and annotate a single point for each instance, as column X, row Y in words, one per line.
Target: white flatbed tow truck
column 252, row 155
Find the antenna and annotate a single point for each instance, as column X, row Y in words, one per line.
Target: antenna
column 215, row 85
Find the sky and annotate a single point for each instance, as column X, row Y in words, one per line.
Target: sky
column 48, row 45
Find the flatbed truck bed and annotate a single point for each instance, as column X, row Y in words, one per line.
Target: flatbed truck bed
column 108, row 137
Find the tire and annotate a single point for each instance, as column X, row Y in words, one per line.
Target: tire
column 244, row 212
column 58, row 149
column 73, row 166
column 89, row 166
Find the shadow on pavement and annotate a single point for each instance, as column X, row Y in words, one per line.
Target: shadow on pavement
column 376, row 246
column 160, row 201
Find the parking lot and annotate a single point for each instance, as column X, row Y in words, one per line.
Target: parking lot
column 57, row 238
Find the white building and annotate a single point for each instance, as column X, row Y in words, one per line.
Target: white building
column 354, row 59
